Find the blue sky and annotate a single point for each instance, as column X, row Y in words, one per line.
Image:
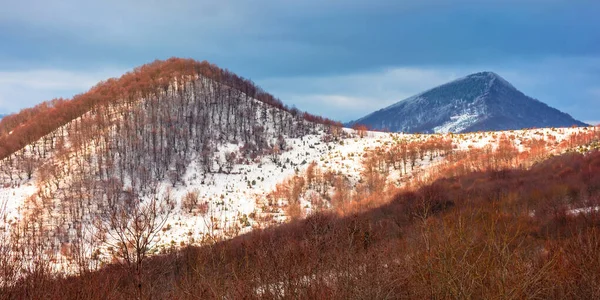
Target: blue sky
column 340, row 59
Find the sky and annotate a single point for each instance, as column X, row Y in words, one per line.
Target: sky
column 340, row 59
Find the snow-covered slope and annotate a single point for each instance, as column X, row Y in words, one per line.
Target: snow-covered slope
column 235, row 202
column 222, row 158
column 478, row 102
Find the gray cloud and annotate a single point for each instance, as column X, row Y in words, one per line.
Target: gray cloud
column 20, row 89
column 560, row 82
column 337, row 58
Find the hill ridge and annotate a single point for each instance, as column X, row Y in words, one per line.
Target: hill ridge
column 30, row 124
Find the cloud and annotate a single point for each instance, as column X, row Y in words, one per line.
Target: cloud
column 26, row 88
column 133, row 21
column 292, row 38
column 563, row 83
column 595, row 92
column 569, row 84
column 350, row 96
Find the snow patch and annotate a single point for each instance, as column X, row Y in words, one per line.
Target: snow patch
column 457, row 123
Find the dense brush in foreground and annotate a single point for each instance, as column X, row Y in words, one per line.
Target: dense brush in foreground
column 512, row 233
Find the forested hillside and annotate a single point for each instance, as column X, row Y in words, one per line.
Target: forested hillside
column 77, row 173
column 146, row 82
column 513, row 232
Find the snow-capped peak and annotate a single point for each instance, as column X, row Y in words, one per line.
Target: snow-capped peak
column 479, row 101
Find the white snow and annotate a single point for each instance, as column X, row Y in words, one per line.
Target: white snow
column 235, row 200
column 583, row 210
column 457, row 123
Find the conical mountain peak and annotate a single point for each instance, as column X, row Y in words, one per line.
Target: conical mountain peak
column 479, row 101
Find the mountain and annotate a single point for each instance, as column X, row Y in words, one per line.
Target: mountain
column 479, row 102
column 181, row 152
column 206, row 143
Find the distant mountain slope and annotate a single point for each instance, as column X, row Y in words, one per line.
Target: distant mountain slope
column 479, row 102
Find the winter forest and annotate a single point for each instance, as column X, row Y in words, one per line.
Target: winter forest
column 181, row 180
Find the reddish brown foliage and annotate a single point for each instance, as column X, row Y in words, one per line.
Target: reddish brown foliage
column 480, row 235
column 361, row 129
column 27, row 126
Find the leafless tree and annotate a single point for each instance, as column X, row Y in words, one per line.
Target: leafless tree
column 132, row 226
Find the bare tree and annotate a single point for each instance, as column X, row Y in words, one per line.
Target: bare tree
column 9, row 258
column 190, row 201
column 132, row 226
